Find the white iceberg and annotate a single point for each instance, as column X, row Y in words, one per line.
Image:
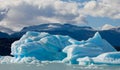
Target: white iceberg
column 42, row 46
column 91, row 48
column 85, row 61
column 109, row 58
column 24, row 60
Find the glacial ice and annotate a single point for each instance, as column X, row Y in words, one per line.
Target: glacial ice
column 42, row 46
column 109, row 58
column 46, row 47
column 25, row 60
column 91, row 48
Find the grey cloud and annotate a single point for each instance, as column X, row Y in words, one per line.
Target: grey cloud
column 6, row 30
column 102, row 8
column 3, row 12
column 28, row 12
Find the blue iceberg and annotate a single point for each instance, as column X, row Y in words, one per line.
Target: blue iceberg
column 42, row 46
column 47, row 47
column 91, row 48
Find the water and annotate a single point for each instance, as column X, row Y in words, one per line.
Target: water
column 55, row 66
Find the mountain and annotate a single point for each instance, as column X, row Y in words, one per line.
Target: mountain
column 107, row 27
column 4, row 44
column 4, row 35
column 77, row 32
column 110, row 27
column 6, row 30
column 116, row 29
column 112, row 36
column 58, row 29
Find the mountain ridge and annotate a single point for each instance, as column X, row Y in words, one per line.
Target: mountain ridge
column 76, row 32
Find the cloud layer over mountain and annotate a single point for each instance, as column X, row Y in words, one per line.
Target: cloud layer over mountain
column 17, row 14
column 107, row 27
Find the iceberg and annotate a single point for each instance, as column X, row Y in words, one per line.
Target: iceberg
column 42, row 46
column 24, row 60
column 46, row 47
column 85, row 61
column 92, row 47
column 109, row 58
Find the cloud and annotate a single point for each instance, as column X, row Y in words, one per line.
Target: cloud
column 2, row 13
column 17, row 14
column 102, row 8
column 29, row 12
column 6, row 30
column 107, row 27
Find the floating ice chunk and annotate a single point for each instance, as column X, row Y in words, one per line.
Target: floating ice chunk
column 5, row 59
column 25, row 60
column 109, row 58
column 91, row 48
column 42, row 46
column 85, row 61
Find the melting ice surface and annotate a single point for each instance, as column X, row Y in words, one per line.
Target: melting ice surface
column 35, row 47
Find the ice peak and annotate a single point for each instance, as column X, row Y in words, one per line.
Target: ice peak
column 97, row 35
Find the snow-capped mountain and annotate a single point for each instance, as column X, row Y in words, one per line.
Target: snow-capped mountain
column 107, row 27
column 55, row 28
column 6, row 30
column 110, row 27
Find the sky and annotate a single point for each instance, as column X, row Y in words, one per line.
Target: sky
column 16, row 14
